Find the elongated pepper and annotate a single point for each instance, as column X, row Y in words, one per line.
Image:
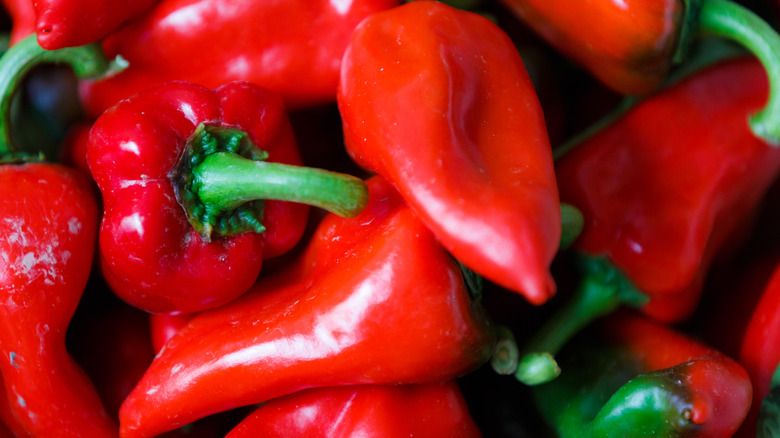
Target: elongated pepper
column 447, row 113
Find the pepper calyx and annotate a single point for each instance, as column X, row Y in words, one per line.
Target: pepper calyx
column 206, row 141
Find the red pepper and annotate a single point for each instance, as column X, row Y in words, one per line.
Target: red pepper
column 637, row 377
column 663, row 190
column 140, row 154
column 432, row 410
column 372, row 300
column 293, row 47
column 631, row 45
column 70, row 23
column 49, row 224
column 447, row 113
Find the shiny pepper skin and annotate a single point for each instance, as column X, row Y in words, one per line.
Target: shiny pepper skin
column 423, row 411
column 49, row 223
column 447, row 113
column 70, row 23
column 151, row 257
column 628, row 45
column 372, row 300
column 293, row 47
column 671, row 183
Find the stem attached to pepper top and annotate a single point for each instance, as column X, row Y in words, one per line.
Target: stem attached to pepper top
column 87, row 61
column 730, row 20
column 222, row 179
column 602, row 290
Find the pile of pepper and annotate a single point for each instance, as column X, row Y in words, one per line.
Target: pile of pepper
column 387, row 218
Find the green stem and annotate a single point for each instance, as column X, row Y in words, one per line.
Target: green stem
column 602, row 290
column 730, row 20
column 227, row 180
column 86, row 61
column 222, row 180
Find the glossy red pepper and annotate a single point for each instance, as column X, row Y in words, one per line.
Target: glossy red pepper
column 372, row 300
column 429, row 410
column 70, row 23
column 293, row 47
column 447, row 113
column 631, row 45
column 145, row 155
column 49, row 226
column 663, row 190
column 639, row 378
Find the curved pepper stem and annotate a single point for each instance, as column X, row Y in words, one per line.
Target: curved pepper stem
column 222, row 179
column 602, row 290
column 735, row 22
column 86, row 61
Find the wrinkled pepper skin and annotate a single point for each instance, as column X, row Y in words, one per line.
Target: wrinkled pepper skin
column 50, row 224
column 760, row 349
column 293, row 47
column 447, row 113
column 425, row 411
column 636, row 377
column 151, row 257
column 70, row 23
column 628, row 45
column 673, row 182
column 372, row 300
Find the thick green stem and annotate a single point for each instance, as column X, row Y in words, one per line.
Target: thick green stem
column 222, row 180
column 602, row 290
column 735, row 22
column 86, row 61
column 226, row 180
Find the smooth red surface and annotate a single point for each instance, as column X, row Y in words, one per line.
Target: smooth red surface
column 437, row 100
column 151, row 257
column 293, row 47
column 373, row 300
column 670, row 184
column 420, row 411
column 49, row 224
column 627, row 44
column 70, row 23
column 720, row 388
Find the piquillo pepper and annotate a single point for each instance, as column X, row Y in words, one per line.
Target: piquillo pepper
column 663, row 190
column 639, row 378
column 631, row 45
column 49, row 225
column 427, row 410
column 180, row 163
column 447, row 113
column 293, row 47
column 70, row 23
column 372, row 300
